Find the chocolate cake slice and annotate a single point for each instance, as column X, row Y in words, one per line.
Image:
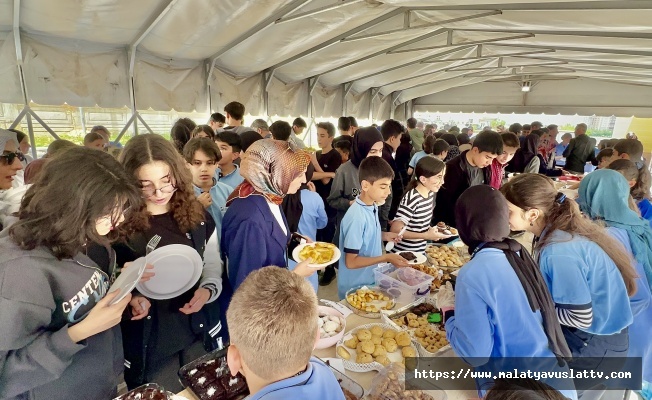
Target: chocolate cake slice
column 408, row 255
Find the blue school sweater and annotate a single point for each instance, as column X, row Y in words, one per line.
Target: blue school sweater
column 317, row 383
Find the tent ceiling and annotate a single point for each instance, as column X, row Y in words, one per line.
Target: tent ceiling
column 406, row 48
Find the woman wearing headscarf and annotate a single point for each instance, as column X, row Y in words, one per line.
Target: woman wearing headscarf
column 453, row 150
column 604, row 196
column 255, row 231
column 502, row 305
column 305, row 213
column 10, row 166
column 525, row 160
column 367, row 142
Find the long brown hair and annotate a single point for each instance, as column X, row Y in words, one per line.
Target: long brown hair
column 427, row 167
column 631, row 172
column 186, row 210
column 78, row 187
column 528, row 191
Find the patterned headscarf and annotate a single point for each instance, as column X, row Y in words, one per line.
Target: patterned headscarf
column 268, row 167
column 546, row 145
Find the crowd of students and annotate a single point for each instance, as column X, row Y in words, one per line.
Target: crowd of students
column 242, row 197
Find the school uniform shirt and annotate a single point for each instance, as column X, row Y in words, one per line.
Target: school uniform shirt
column 581, row 277
column 416, row 157
column 219, row 193
column 360, row 234
column 640, row 344
column 493, row 317
column 346, row 187
column 329, row 162
column 415, row 211
column 233, row 179
column 317, row 382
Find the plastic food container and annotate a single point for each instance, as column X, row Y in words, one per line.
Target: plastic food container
column 348, row 384
column 405, row 284
column 148, row 391
column 218, row 368
column 330, row 341
column 367, row 314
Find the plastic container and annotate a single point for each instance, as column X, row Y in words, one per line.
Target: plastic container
column 148, row 391
column 330, row 341
column 217, row 361
column 365, row 314
column 348, row 384
column 407, row 287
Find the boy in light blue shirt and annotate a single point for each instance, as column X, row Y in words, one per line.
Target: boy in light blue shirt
column 360, row 234
column 230, row 146
column 202, row 157
column 272, row 346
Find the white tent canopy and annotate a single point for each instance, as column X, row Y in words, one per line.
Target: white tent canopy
column 330, row 57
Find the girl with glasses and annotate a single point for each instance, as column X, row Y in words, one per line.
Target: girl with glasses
column 156, row 347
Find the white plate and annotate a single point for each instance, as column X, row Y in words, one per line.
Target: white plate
column 297, row 250
column 128, row 279
column 177, row 268
column 420, row 257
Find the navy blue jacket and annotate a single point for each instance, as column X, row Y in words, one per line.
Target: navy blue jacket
column 252, row 239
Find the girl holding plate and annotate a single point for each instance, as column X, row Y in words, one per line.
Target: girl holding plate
column 179, row 329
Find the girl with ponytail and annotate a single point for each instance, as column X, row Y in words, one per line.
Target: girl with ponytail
column 588, row 273
column 639, row 185
column 415, row 209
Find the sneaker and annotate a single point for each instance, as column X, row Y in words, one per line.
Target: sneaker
column 328, row 276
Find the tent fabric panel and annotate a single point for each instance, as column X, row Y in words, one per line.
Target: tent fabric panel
column 327, row 101
column 11, row 91
column 56, row 76
column 165, row 87
column 358, row 104
column 248, row 91
column 288, row 100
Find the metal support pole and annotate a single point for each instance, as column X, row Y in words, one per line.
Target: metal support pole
column 82, row 119
column 41, row 122
column 32, row 139
column 20, row 116
column 140, row 117
column 122, row 132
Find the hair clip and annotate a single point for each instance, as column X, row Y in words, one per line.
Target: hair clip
column 560, row 198
column 639, row 165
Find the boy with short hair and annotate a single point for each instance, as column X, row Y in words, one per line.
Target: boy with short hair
column 202, row 157
column 511, row 144
column 94, row 140
column 230, row 147
column 360, row 235
column 629, row 149
column 234, row 113
column 440, row 149
column 217, row 121
column 392, row 132
column 298, row 126
column 281, row 130
column 344, row 148
column 470, row 168
column 274, row 354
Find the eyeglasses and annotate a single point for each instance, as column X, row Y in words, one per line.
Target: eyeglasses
column 9, row 157
column 150, row 191
column 124, row 212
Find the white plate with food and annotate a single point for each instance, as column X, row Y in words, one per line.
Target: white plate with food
column 323, row 254
column 177, row 268
column 412, row 257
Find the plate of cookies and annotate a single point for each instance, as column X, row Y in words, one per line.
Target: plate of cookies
column 445, row 257
column 423, row 321
column 374, row 346
column 368, row 301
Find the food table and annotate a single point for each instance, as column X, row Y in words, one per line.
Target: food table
column 362, row 378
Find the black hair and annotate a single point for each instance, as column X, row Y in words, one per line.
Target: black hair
column 510, row 139
column 463, row 138
column 439, row 134
column 206, row 145
column 516, row 128
column 537, row 132
column 464, row 131
column 426, row 167
column 328, row 127
column 604, row 153
column 353, row 121
column 391, row 128
column 90, row 138
column 231, row 138
column 218, row 117
column 428, row 144
column 537, row 123
column 300, row 123
column 412, row 123
column 373, row 169
column 632, row 147
column 439, row 147
column 641, row 190
column 281, row 130
column 235, row 110
column 450, row 138
column 179, row 135
column 454, row 128
column 552, row 126
column 527, row 127
column 343, row 123
column 20, row 135
column 490, row 142
column 343, row 145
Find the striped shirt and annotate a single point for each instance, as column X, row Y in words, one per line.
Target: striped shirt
column 416, row 212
